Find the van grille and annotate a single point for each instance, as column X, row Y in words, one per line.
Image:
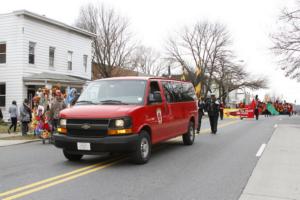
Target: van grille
column 88, row 121
column 87, row 127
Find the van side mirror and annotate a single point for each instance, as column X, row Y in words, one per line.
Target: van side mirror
column 154, row 97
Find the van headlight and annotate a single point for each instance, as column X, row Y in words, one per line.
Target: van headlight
column 119, row 123
column 120, row 126
column 122, row 122
column 63, row 123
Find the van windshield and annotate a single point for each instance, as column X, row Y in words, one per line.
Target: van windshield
column 112, row 92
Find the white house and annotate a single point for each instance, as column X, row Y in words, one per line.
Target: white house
column 36, row 51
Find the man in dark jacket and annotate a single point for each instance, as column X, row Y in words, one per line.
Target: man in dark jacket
column 201, row 107
column 213, row 108
column 25, row 116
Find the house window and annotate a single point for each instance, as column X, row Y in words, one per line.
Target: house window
column 2, row 53
column 31, row 52
column 85, row 62
column 51, row 56
column 70, row 60
column 2, row 94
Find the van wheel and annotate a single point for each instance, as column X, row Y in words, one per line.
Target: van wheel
column 72, row 157
column 189, row 137
column 143, row 149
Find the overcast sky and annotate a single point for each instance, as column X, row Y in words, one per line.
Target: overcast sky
column 249, row 21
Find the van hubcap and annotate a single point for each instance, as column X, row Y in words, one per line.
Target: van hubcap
column 191, row 133
column 144, row 147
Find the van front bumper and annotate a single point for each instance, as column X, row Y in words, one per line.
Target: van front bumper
column 125, row 143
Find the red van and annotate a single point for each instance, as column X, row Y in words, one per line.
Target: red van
column 128, row 114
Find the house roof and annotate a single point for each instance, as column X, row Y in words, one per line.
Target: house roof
column 45, row 77
column 54, row 22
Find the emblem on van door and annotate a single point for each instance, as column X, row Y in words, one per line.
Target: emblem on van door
column 85, row 126
column 158, row 115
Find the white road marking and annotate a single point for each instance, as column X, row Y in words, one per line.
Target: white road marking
column 261, row 150
column 275, row 126
column 280, row 119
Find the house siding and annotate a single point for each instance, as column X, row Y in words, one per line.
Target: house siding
column 46, row 35
column 11, row 71
column 17, row 31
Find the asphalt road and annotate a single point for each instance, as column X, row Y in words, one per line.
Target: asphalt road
column 216, row 167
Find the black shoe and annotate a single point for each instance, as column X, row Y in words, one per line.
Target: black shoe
column 198, row 132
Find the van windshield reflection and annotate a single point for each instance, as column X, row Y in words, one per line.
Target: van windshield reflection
column 114, row 92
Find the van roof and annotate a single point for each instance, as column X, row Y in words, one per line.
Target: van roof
column 138, row 78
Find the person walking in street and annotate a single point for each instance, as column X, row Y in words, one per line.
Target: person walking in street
column 221, row 110
column 25, row 116
column 13, row 112
column 256, row 109
column 201, row 106
column 213, row 109
column 57, row 105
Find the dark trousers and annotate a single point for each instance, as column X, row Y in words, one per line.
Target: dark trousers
column 256, row 112
column 213, row 120
column 221, row 114
column 199, row 122
column 54, row 125
column 25, row 128
column 13, row 123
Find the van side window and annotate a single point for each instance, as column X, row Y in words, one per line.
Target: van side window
column 188, row 92
column 177, row 91
column 168, row 90
column 154, row 86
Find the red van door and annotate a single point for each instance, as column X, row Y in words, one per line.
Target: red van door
column 157, row 113
column 178, row 109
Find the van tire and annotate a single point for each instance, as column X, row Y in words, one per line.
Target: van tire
column 189, row 137
column 72, row 157
column 143, row 149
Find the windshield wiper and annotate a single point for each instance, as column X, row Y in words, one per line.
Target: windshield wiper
column 113, row 102
column 85, row 102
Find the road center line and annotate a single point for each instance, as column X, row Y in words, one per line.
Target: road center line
column 261, row 150
column 63, row 180
column 46, row 183
column 53, row 178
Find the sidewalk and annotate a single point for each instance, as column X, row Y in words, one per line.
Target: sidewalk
column 277, row 174
column 14, row 138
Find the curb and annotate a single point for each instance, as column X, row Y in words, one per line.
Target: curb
column 21, row 142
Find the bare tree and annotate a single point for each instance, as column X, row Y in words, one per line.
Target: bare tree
column 148, row 61
column 230, row 76
column 112, row 45
column 287, row 42
column 197, row 50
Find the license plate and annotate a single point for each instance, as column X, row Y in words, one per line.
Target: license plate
column 83, row 146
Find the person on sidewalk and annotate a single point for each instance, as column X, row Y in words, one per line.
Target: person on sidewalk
column 25, row 116
column 56, row 107
column 13, row 112
column 213, row 109
column 201, row 106
column 1, row 115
